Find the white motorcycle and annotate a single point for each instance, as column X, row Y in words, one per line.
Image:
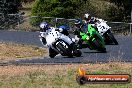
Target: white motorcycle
column 105, row 31
column 59, row 43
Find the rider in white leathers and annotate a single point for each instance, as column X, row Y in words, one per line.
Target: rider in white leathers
column 46, row 30
column 91, row 20
column 88, row 19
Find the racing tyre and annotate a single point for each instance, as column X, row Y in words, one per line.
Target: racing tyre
column 113, row 38
column 64, row 51
column 52, row 53
column 77, row 53
column 99, row 46
column 103, row 50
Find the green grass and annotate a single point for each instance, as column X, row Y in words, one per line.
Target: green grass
column 62, row 77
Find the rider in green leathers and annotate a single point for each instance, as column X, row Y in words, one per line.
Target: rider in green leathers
column 80, row 27
column 88, row 33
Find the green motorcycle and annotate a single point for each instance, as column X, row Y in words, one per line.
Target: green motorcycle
column 93, row 39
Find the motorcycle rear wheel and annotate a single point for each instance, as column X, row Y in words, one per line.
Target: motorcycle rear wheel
column 113, row 38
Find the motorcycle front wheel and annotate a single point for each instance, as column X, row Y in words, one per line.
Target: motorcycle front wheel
column 99, row 46
column 52, row 53
column 64, row 51
column 77, row 53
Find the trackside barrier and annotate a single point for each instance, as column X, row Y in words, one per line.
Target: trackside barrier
column 25, row 23
column 126, row 27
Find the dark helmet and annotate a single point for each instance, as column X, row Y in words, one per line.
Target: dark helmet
column 44, row 26
column 93, row 18
column 64, row 29
column 78, row 22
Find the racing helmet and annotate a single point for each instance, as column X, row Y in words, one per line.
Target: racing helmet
column 64, row 27
column 78, row 23
column 87, row 16
column 44, row 26
column 93, row 20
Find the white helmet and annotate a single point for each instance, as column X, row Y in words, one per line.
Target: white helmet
column 44, row 26
column 86, row 16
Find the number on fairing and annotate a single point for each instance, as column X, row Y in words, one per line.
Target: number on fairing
column 101, row 27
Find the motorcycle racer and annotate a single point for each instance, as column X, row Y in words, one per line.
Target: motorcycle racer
column 44, row 26
column 45, row 30
column 89, row 19
column 101, row 26
column 79, row 26
column 64, row 30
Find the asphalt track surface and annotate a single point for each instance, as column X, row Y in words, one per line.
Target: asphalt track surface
column 121, row 52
